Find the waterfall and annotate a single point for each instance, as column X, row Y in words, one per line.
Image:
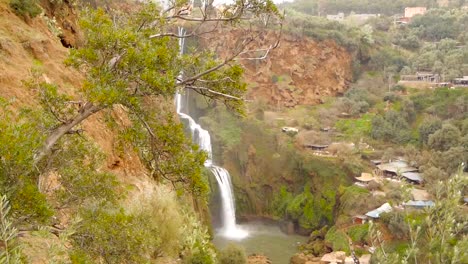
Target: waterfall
column 202, row 137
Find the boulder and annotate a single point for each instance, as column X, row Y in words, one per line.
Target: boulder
column 258, row 259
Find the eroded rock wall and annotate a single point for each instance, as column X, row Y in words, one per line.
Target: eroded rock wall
column 299, row 71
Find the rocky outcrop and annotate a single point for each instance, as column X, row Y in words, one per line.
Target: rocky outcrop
column 299, row 71
column 258, row 259
column 301, row 258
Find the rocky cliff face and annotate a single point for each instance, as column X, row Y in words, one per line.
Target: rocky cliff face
column 299, row 71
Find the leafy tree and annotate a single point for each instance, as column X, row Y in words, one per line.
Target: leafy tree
column 133, row 60
column 451, row 159
column 445, row 138
column 391, row 127
column 428, row 127
column 436, row 25
column 115, row 236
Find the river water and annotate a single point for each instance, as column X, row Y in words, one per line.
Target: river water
column 265, row 239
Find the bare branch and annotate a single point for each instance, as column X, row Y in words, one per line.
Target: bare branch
column 205, row 89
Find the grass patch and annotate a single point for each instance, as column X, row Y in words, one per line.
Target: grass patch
column 355, row 128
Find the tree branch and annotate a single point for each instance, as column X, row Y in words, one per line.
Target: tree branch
column 198, row 89
column 85, row 111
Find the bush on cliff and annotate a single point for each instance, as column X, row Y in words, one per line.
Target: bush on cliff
column 25, row 8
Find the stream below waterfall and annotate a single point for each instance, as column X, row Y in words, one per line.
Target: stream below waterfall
column 266, row 239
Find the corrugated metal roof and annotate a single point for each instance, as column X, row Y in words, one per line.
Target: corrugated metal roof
column 419, row 203
column 385, row 208
column 396, row 167
column 414, row 176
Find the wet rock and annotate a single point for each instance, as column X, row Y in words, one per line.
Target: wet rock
column 287, row 227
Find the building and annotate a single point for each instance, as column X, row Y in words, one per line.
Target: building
column 359, row 219
column 422, row 77
column 412, row 177
column 461, row 81
column 338, row 17
column 419, row 204
column 316, row 147
column 395, row 168
column 385, row 208
column 412, row 11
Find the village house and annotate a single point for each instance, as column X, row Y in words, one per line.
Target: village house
column 419, row 204
column 316, row 147
column 428, row 77
column 421, row 199
column 412, row 11
column 365, row 179
column 395, row 168
column 359, row 219
column 375, row 214
column 412, row 177
column 463, row 81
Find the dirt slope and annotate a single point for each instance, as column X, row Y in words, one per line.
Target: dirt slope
column 27, row 47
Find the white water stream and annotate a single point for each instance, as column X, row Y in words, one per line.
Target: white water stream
column 202, row 137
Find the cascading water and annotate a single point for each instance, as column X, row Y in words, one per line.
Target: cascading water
column 202, row 138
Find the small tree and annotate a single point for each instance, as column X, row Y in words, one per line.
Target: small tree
column 232, row 254
column 445, row 138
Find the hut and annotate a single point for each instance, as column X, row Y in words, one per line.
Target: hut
column 385, row 208
column 366, row 180
column 419, row 204
column 412, row 177
column 395, row 168
column 359, row 219
column 316, row 147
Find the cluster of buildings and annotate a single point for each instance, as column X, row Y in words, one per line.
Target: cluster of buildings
column 393, row 171
column 433, row 79
column 409, row 13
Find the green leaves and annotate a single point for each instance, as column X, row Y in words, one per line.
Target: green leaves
column 11, row 252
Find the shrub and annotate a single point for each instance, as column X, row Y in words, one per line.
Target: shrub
column 25, row 8
column 232, row 254
column 359, row 233
column 115, row 236
column 338, row 239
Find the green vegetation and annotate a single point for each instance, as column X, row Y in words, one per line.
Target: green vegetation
column 8, row 235
column 232, row 254
column 26, row 8
column 356, row 128
column 338, row 239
